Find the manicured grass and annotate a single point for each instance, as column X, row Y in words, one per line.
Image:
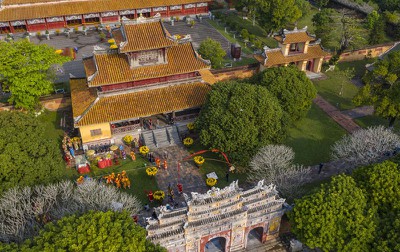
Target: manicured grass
column 229, row 36
column 306, row 21
column 216, row 163
column 52, row 120
column 373, row 120
column 358, row 66
column 312, row 137
column 244, row 61
column 337, row 90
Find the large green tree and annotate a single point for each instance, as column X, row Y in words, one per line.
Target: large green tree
column 376, row 26
column 339, row 30
column 27, row 156
column 277, row 14
column 238, row 118
column 382, row 88
column 291, row 86
column 93, row 231
column 27, row 71
column 336, row 218
column 381, row 184
column 212, row 50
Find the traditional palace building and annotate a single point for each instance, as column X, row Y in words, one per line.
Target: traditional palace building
column 228, row 215
column 36, row 15
column 295, row 47
column 150, row 73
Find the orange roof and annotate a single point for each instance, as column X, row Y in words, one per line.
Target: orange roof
column 114, row 68
column 277, row 58
column 23, row 9
column 81, row 96
column 294, row 37
column 146, row 36
column 207, row 76
column 145, row 103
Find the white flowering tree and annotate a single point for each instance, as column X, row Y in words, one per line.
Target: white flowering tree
column 23, row 211
column 274, row 164
column 365, row 146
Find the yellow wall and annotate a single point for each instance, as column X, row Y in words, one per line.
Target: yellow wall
column 86, row 136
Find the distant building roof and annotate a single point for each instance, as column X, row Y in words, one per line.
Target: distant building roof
column 276, row 57
column 295, row 36
column 141, row 103
column 111, row 69
column 138, row 37
column 31, row 9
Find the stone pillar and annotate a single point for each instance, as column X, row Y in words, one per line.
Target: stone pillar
column 317, row 65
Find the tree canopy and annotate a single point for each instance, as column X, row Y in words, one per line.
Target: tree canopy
column 338, row 30
column 336, row 218
column 27, row 71
column 238, row 118
column 353, row 213
column 291, row 86
column 27, row 156
column 93, row 231
column 212, row 50
column 24, row 211
column 382, row 88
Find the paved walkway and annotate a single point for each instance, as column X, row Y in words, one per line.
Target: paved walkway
column 359, row 112
column 342, row 119
column 188, row 176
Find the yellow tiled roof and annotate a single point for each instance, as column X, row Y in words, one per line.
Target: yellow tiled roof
column 207, row 76
column 146, row 36
column 294, row 37
column 145, row 103
column 277, row 58
column 25, row 10
column 114, row 68
column 81, row 96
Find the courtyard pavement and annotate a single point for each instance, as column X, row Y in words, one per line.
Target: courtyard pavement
column 189, row 175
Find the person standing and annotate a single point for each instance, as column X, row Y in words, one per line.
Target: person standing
column 320, row 168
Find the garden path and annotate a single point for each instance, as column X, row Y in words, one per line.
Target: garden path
column 342, row 119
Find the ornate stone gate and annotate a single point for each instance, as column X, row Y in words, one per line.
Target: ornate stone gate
column 230, row 213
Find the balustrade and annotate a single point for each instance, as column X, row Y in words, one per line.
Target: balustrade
column 124, row 129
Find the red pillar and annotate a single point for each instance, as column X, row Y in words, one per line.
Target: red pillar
column 11, row 27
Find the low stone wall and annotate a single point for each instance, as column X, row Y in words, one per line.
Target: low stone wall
column 372, row 51
column 52, row 103
column 241, row 72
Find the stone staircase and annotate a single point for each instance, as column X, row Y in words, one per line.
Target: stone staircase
column 173, row 135
column 198, row 33
column 163, row 137
column 148, row 139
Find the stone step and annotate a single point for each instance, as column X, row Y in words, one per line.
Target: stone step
column 148, row 140
column 173, row 135
column 161, row 138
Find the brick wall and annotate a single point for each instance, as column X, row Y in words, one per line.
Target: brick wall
column 373, row 51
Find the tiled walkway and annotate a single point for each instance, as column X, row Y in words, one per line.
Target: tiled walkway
column 188, row 176
column 342, row 119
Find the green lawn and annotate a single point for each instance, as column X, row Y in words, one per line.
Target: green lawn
column 229, row 36
column 306, row 21
column 358, row 65
column 216, row 163
column 337, row 90
column 52, row 120
column 374, row 120
column 313, row 136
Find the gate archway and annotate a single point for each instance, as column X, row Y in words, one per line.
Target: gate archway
column 254, row 237
column 217, row 244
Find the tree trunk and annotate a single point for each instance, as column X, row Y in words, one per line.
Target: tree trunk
column 391, row 121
